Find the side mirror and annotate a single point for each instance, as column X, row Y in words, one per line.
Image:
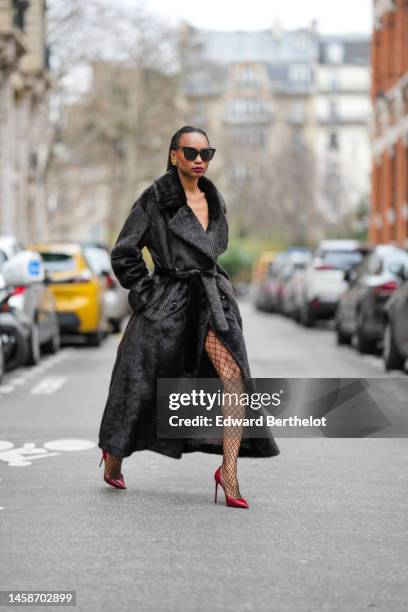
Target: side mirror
column 47, row 277
column 399, row 270
column 24, row 268
column 350, row 275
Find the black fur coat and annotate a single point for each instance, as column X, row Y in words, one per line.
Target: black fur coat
column 165, row 334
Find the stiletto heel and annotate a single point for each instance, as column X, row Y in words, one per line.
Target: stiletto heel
column 233, row 502
column 118, row 483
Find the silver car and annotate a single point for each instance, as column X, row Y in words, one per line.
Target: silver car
column 116, row 303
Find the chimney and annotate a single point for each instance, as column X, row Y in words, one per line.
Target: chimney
column 314, row 26
column 277, row 28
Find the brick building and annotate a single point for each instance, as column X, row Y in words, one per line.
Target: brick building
column 389, row 213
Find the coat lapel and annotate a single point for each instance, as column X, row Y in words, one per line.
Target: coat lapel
column 171, row 197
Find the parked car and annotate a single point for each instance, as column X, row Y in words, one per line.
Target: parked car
column 78, row 290
column 323, row 282
column 275, row 282
column 2, row 359
column 28, row 318
column 395, row 338
column 259, row 281
column 13, row 333
column 361, row 309
column 291, row 277
column 116, row 304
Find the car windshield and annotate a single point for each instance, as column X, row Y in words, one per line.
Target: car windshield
column 342, row 260
column 3, row 258
column 395, row 259
column 97, row 258
column 58, row 262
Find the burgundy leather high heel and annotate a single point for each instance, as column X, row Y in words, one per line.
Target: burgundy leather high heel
column 118, row 483
column 233, row 502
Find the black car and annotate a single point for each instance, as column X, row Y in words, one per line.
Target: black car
column 395, row 341
column 361, row 308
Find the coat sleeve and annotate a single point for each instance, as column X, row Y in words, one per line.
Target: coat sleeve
column 126, row 255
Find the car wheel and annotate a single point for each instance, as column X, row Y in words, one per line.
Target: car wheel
column 341, row 336
column 393, row 360
column 94, row 338
column 1, row 361
column 363, row 344
column 306, row 315
column 15, row 350
column 54, row 344
column 116, row 326
column 34, row 349
column 296, row 314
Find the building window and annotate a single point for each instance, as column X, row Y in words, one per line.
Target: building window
column 299, row 73
column 247, row 107
column 334, row 83
column 297, row 111
column 238, row 171
column 248, row 137
column 247, row 76
column 301, row 40
column 333, row 141
column 297, row 138
column 333, row 111
column 19, row 9
column 335, row 53
column 33, row 161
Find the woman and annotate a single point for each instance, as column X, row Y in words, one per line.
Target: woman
column 185, row 321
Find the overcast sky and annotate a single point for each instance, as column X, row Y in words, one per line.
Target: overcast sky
column 333, row 17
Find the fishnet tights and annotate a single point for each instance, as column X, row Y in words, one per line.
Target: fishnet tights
column 113, row 466
column 230, row 374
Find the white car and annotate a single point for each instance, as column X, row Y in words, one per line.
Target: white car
column 116, row 305
column 29, row 323
column 321, row 284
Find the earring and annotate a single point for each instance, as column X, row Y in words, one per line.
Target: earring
column 173, row 161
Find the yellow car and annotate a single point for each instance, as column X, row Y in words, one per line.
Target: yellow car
column 78, row 290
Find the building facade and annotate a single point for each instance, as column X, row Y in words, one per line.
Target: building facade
column 343, row 115
column 292, row 106
column 24, row 123
column 112, row 143
column 389, row 214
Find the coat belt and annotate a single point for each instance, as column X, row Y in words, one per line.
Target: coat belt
column 198, row 278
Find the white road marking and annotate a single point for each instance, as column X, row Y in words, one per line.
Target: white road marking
column 5, row 445
column 23, row 456
column 20, row 380
column 69, row 444
column 49, row 385
column 6, row 388
column 33, row 371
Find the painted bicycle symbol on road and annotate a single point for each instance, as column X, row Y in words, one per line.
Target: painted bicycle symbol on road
column 24, row 455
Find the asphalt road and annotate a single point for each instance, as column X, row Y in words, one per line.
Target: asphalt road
column 326, row 530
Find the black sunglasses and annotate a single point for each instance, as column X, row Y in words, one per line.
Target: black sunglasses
column 190, row 153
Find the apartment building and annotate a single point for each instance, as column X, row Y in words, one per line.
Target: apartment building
column 24, row 125
column 263, row 93
column 343, row 115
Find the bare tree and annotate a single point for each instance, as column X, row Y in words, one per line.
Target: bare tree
column 273, row 194
column 125, row 119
